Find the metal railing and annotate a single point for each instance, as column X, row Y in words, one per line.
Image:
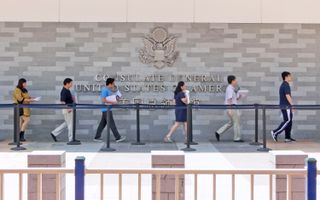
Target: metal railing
column 80, row 173
column 138, row 107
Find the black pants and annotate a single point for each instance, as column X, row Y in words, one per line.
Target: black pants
column 103, row 124
column 286, row 125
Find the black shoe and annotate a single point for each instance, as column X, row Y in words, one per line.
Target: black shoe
column 238, row 140
column 218, row 137
column 22, row 139
column 54, row 137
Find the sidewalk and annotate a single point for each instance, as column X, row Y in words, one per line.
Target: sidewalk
column 210, row 146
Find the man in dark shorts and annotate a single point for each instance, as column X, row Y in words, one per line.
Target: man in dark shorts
column 285, row 103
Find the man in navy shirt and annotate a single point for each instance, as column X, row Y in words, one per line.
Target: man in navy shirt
column 285, row 103
column 65, row 98
column 106, row 92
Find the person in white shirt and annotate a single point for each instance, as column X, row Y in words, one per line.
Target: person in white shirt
column 231, row 98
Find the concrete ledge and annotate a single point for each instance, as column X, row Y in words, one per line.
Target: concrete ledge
column 46, row 159
column 289, row 157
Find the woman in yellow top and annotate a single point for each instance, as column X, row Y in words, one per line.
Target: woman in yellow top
column 21, row 96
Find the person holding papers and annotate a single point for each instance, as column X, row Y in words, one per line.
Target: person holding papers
column 231, row 98
column 21, row 96
column 182, row 98
column 108, row 98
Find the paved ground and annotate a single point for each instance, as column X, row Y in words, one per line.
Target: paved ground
column 210, row 146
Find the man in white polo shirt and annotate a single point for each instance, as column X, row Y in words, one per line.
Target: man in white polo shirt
column 231, row 99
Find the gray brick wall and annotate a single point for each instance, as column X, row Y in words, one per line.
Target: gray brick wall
column 46, row 53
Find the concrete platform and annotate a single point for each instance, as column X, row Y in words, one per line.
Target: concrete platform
column 143, row 160
column 209, row 155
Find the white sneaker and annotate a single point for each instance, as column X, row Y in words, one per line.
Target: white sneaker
column 122, row 138
column 97, row 140
column 287, row 140
column 274, row 136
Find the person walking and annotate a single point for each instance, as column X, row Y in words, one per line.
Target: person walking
column 181, row 101
column 106, row 93
column 21, row 96
column 65, row 98
column 231, row 98
column 286, row 103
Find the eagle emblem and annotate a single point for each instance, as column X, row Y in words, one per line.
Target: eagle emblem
column 159, row 48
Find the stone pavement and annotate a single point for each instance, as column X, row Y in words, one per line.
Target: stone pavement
column 210, row 146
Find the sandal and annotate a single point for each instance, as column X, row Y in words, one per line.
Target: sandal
column 168, row 140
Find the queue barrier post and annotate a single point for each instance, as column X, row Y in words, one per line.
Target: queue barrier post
column 189, row 129
column 311, row 179
column 138, row 141
column 256, row 126
column 264, row 147
column 107, row 147
column 16, row 122
column 74, row 126
column 15, row 125
column 79, row 177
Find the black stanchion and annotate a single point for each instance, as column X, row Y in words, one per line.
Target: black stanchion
column 264, row 127
column 189, row 129
column 15, row 125
column 256, row 126
column 17, row 129
column 138, row 142
column 191, row 136
column 107, row 147
column 74, row 126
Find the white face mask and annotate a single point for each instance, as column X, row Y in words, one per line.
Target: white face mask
column 291, row 83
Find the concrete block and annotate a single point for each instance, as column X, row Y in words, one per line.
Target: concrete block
column 45, row 159
column 289, row 160
column 168, row 159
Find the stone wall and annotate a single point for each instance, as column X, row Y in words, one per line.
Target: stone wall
column 46, row 53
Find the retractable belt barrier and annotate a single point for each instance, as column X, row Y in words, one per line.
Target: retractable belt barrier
column 138, row 107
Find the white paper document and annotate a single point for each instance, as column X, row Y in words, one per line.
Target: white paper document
column 243, row 93
column 112, row 98
column 118, row 93
column 187, row 94
column 37, row 99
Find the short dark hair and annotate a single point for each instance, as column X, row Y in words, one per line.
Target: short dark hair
column 231, row 78
column 67, row 80
column 285, row 74
column 109, row 81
